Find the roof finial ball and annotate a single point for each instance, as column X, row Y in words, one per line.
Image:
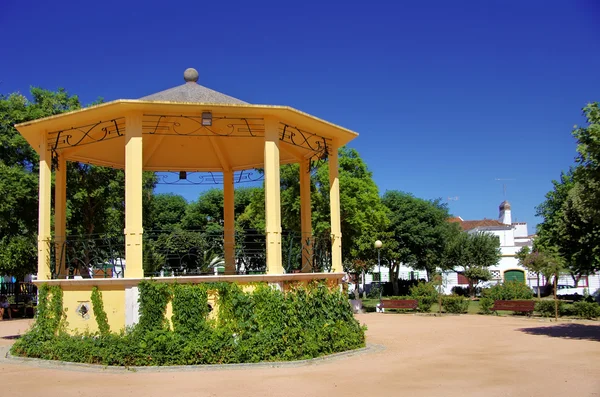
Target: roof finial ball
column 190, row 75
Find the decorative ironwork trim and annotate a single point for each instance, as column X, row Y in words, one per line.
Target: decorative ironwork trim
column 207, row 178
column 84, row 135
column 157, row 124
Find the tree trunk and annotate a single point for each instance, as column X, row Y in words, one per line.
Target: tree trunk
column 555, row 297
column 538, row 286
column 471, row 289
column 394, row 278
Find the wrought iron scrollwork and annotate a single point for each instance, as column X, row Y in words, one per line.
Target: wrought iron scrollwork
column 86, row 134
column 207, row 178
column 157, row 124
column 317, row 144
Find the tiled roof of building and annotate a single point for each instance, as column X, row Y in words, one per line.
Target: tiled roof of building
column 469, row 225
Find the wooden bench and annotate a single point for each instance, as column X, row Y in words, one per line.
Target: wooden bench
column 524, row 306
column 397, row 304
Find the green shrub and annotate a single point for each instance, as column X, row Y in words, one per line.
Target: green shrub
column 546, row 307
column 455, row 304
column 485, row 305
column 426, row 294
column 263, row 325
column 587, row 310
column 510, row 290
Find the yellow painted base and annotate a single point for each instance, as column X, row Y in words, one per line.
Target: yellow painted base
column 77, row 293
column 113, row 299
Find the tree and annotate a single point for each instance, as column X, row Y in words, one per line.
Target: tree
column 363, row 216
column 95, row 195
column 571, row 210
column 167, row 212
column 419, row 229
column 473, row 253
column 535, row 261
column 18, row 176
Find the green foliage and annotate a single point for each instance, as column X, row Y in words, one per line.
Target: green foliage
column 426, row 294
column 546, row 307
column 571, row 211
column 419, row 229
column 485, row 305
column 263, row 325
column 511, row 290
column 167, row 211
column 455, row 304
column 473, row 253
column 587, row 310
column 190, row 309
column 99, row 313
column 153, row 305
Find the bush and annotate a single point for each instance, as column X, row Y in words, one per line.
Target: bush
column 455, row 304
column 263, row 325
column 485, row 305
column 587, row 310
column 546, row 307
column 460, row 291
column 510, row 290
column 426, row 294
column 375, row 292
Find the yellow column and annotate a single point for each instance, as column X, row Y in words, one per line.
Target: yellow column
column 334, row 205
column 305, row 216
column 229, row 227
column 133, row 196
column 60, row 214
column 44, row 211
column 272, row 198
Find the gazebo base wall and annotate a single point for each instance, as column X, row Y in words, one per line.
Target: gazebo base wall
column 120, row 295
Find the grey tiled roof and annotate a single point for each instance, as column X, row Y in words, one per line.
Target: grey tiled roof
column 192, row 92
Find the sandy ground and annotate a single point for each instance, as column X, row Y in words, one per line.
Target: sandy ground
column 422, row 356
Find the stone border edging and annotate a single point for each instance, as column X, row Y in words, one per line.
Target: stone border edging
column 71, row 366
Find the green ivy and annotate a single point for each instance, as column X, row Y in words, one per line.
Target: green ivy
column 99, row 313
column 153, row 305
column 263, row 325
column 190, row 309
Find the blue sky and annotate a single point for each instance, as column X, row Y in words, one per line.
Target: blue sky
column 447, row 95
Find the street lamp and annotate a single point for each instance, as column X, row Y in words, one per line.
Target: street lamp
column 378, row 245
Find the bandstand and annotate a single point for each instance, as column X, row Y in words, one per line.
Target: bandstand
column 185, row 129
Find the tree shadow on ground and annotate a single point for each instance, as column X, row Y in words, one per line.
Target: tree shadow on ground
column 568, row 331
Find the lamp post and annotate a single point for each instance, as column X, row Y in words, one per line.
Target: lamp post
column 378, row 245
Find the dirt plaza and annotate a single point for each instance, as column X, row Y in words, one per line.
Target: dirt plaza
column 412, row 355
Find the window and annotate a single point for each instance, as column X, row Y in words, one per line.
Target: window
column 376, row 277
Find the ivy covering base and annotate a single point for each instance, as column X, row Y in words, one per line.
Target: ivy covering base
column 263, row 325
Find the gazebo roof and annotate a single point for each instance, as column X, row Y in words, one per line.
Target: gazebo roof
column 192, row 92
column 174, row 137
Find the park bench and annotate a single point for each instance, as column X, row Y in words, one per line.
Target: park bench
column 523, row 306
column 397, row 304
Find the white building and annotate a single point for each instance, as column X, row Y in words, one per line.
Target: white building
column 513, row 236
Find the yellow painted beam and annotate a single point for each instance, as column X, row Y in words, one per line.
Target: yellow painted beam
column 149, row 152
column 44, row 214
column 219, row 153
column 334, row 205
column 133, row 195
column 60, row 214
column 229, row 227
column 272, row 198
column 305, row 216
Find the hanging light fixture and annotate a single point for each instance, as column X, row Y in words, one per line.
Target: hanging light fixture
column 206, row 119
